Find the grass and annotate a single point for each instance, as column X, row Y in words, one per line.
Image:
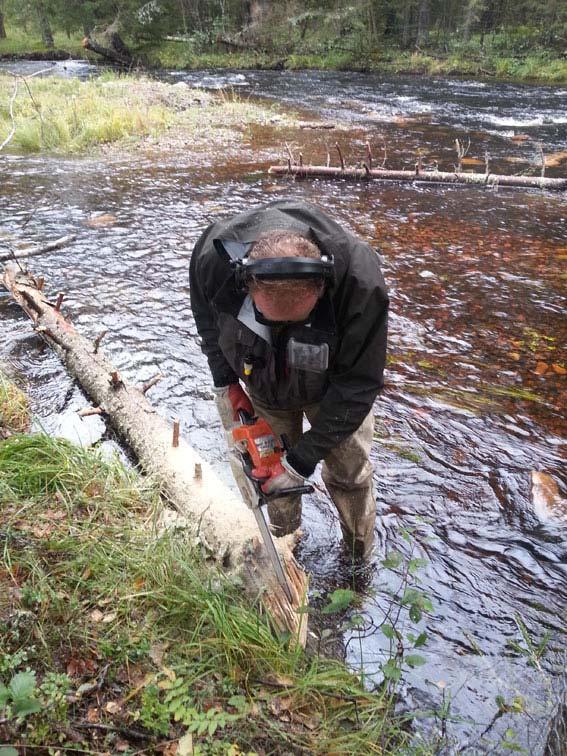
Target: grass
column 67, row 115
column 18, row 42
column 92, row 588
column 70, row 116
column 14, row 408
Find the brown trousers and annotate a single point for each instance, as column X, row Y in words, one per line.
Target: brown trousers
column 347, row 473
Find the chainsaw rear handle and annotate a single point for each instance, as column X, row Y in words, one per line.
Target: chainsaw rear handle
column 294, row 491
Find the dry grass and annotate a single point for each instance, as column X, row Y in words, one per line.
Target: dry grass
column 14, row 408
column 70, row 116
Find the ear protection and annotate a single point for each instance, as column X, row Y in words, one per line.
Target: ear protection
column 280, row 268
column 273, row 268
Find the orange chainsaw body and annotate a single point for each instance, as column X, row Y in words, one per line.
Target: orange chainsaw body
column 261, row 444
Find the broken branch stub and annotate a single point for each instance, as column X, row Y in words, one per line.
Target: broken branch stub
column 218, row 518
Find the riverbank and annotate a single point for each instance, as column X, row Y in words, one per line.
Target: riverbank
column 116, row 635
column 69, row 116
column 540, row 68
column 536, row 66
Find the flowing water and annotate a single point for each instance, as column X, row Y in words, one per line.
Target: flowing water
column 475, row 388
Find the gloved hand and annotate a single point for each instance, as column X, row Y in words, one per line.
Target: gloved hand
column 229, row 399
column 239, row 400
column 281, row 476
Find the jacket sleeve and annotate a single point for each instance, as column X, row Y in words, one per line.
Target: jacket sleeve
column 205, row 319
column 357, row 373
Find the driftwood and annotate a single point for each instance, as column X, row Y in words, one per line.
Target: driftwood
column 220, row 520
column 116, row 53
column 22, row 254
column 432, row 177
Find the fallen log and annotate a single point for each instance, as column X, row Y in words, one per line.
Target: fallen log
column 120, row 55
column 22, row 254
column 315, row 125
column 432, row 177
column 221, row 522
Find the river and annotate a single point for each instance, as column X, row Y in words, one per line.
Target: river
column 475, row 392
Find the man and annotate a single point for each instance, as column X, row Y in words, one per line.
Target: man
column 294, row 308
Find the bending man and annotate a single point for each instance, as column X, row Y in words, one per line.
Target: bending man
column 292, row 312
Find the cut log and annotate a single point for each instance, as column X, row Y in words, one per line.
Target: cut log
column 223, row 524
column 22, row 254
column 432, row 177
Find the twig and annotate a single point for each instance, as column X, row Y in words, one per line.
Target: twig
column 88, row 411
column 290, row 153
column 152, row 382
column 340, row 156
column 96, row 342
column 125, row 731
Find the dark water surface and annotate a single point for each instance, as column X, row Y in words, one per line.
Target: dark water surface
column 477, row 282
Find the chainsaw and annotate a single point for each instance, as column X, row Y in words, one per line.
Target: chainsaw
column 260, row 452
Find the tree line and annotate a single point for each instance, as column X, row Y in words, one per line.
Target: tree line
column 286, row 24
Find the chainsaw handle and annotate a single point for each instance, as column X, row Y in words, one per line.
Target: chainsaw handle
column 295, row 491
column 245, row 417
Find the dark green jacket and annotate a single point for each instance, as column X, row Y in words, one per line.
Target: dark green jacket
column 351, row 318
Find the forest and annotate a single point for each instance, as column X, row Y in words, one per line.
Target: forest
column 315, row 33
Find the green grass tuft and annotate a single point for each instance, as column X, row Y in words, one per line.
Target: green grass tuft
column 98, row 582
column 14, row 407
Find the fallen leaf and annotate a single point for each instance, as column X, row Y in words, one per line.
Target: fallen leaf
column 156, row 653
column 168, row 749
column 514, row 355
column 42, row 531
column 559, row 369
column 79, row 667
column 541, row 368
column 280, row 707
column 54, row 514
column 92, row 714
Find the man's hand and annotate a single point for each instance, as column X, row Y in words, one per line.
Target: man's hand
column 239, row 400
column 282, row 476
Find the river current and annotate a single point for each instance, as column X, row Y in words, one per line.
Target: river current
column 473, row 408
